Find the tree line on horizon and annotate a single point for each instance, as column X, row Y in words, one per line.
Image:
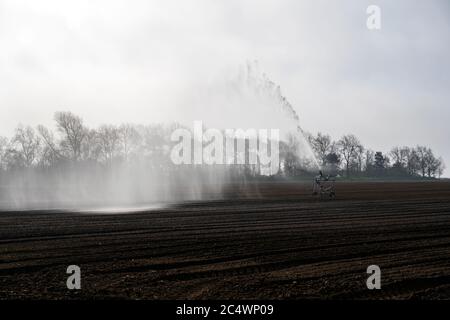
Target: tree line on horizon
column 349, row 157
column 75, row 143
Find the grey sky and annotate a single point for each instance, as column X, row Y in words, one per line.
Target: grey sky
column 143, row 61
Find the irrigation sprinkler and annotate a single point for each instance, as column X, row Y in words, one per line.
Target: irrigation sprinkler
column 323, row 186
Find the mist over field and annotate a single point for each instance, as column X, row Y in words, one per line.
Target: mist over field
column 78, row 167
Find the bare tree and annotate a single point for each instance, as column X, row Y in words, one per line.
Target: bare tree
column 27, row 145
column 440, row 168
column 432, row 163
column 399, row 157
column 369, row 158
column 422, row 154
column 347, row 146
column 322, row 146
column 50, row 151
column 73, row 131
column 129, row 139
column 108, row 139
column 91, row 148
column 412, row 161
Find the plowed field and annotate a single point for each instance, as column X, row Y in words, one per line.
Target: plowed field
column 270, row 241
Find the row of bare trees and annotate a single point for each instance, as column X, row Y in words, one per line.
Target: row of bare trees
column 75, row 142
column 349, row 156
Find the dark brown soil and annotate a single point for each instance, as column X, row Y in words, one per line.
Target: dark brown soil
column 269, row 241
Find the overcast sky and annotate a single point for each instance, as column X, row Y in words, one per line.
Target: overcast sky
column 142, row 61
